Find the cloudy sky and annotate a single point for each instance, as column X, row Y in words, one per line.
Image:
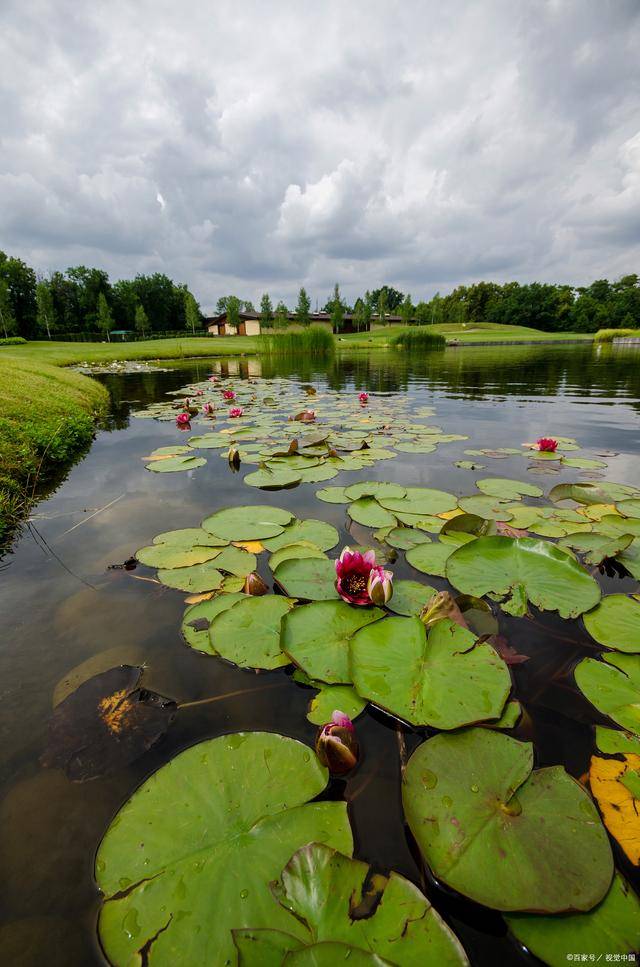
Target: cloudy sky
column 247, row 146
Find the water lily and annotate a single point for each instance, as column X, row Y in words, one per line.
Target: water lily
column 208, row 409
column 254, row 584
column 547, row 444
column 213, row 378
column 235, row 411
column 183, row 421
column 337, row 745
column 228, row 394
column 199, row 392
column 358, row 576
column 364, row 399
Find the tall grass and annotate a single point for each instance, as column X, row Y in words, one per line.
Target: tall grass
column 418, row 339
column 608, row 335
column 316, row 342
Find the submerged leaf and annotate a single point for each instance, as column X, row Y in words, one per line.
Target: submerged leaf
column 619, row 804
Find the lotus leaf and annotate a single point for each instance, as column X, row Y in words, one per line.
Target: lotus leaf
column 332, row 697
column 629, row 507
column 490, row 508
column 421, row 501
column 313, row 579
column 251, row 523
column 248, row 633
column 194, row 579
column 618, row 799
column 316, row 637
column 445, row 680
column 278, row 479
column 368, row 512
column 611, row 741
column 581, row 463
column 297, row 551
column 316, row 532
column 332, row 495
column 430, row 558
column 403, row 538
column 197, row 619
column 507, row 489
column 509, row 718
column 596, row 547
column 170, row 555
column 500, row 833
column 374, row 488
column 552, row 580
column 409, row 597
column 190, row 537
column 615, row 623
column 173, row 464
column 613, row 686
column 615, row 526
column 210, row 831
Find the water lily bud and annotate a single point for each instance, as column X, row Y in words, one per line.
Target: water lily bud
column 337, row 745
column 208, row 409
column 380, row 585
column 235, row 411
column 234, row 457
column 183, row 421
column 442, row 605
column 254, row 585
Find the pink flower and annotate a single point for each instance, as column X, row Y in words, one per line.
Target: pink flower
column 208, row 409
column 183, row 421
column 364, row 399
column 547, row 444
column 199, row 392
column 358, row 575
column 337, row 745
column 235, row 411
column 214, row 379
column 228, row 394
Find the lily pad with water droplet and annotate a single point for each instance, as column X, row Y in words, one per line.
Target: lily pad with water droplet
column 248, row 633
column 551, row 578
column 615, row 623
column 229, row 811
column 316, row 637
column 497, row 831
column 312, row 580
column 444, row 680
column 252, row 523
column 613, row 686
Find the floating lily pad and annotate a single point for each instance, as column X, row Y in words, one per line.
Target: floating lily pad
column 422, row 501
column 507, row 489
column 353, row 916
column 403, row 538
column 368, row 512
column 197, row 619
column 581, row 463
column 629, row 507
column 430, row 558
column 496, row 831
column 106, row 723
column 615, row 783
column 489, row 508
column 174, row 464
column 251, row 523
column 611, row 741
column 330, row 698
column 170, row 556
column 316, row 637
column 199, row 577
column 509, row 718
column 611, row 928
column 277, row 479
column 552, row 580
column 312, row 580
column 298, row 551
column 188, row 537
column 248, row 633
column 615, row 623
column 613, row 686
column 445, row 680
column 229, row 811
column 236, row 560
column 317, row 532
column 409, row 597
column 596, row 547
column 374, row 488
column 332, row 495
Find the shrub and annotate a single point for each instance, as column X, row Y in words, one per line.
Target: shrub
column 315, row 342
column 13, row 341
column 418, row 339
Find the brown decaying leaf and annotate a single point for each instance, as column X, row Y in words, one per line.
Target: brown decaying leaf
column 508, row 654
column 442, row 605
column 506, row 531
column 620, row 809
column 106, row 723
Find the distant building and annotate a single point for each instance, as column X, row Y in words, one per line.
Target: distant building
column 249, row 324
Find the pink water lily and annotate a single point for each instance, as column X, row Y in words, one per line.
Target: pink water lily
column 360, row 580
column 337, row 745
column 213, row 378
column 199, row 392
column 183, row 421
column 364, row 398
column 208, row 409
column 547, row 444
column 235, row 411
column 228, row 394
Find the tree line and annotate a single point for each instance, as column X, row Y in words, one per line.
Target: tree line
column 83, row 301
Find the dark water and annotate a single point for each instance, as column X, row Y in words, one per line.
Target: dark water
column 61, row 606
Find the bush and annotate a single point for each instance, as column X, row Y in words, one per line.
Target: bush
column 608, row 335
column 315, row 342
column 13, row 341
column 418, row 339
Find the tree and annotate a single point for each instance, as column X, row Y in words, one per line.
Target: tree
column 103, row 316
column 44, row 303
column 337, row 310
column 266, row 311
column 21, row 294
column 248, row 306
column 382, row 304
column 141, row 320
column 281, row 319
column 191, row 312
column 368, row 310
column 406, row 311
column 90, row 284
column 233, row 311
column 359, row 323
column 422, row 314
column 303, row 307
column 7, row 319
column 393, row 297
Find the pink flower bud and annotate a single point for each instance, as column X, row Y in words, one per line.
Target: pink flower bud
column 380, row 585
column 254, row 585
column 337, row 745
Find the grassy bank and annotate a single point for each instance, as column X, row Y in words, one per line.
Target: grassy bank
column 47, row 417
column 70, row 353
column 463, row 335
column 608, row 335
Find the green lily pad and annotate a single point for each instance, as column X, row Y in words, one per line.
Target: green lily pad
column 253, row 523
column 552, row 580
column 312, row 580
column 509, row 718
column 330, row 698
column 374, row 488
column 629, row 507
column 444, row 680
column 611, row 928
column 412, row 447
column 318, row 474
column 615, row 526
column 169, row 555
column 190, row 537
column 317, row 532
column 507, row 489
column 210, row 441
column 596, row 547
column 297, row 551
column 581, row 463
column 490, row 508
column 195, row 579
column 421, row 501
column 248, row 633
column 226, row 814
column 430, row 558
column 613, row 686
column 500, row 833
column 236, row 560
column 278, row 479
column 403, row 538
column 368, row 512
column 174, row 464
column 468, row 465
column 615, row 623
column 197, row 619
column 612, row 741
column 326, row 891
column 332, row 495
column 316, row 637
column 409, row 597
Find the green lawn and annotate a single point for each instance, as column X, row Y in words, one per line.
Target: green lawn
column 455, row 332
column 68, row 353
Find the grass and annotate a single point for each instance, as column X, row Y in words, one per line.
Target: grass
column 418, row 339
column 481, row 332
column 315, row 342
column 608, row 335
column 70, row 353
column 47, row 417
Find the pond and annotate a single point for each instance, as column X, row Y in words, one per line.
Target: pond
column 67, row 600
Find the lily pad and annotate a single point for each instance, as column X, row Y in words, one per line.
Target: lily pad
column 317, row 532
column 297, row 551
column 169, row 556
column 403, row 538
column 248, row 633
column 611, row 928
column 507, row 489
column 615, row 623
column 490, row 508
column 368, row 512
column 312, row 580
column 615, row 784
column 174, row 464
column 236, row 560
column 629, row 507
column 332, row 495
column 226, row 814
column 596, row 548
column 108, row 722
column 422, row 501
column 613, row 686
column 316, row 637
column 551, row 579
column 188, row 537
column 279, row 478
column 430, row 558
column 332, row 697
column 500, row 833
column 251, row 523
column 352, row 915
column 197, row 619
column 199, row 577
column 611, row 741
column 444, row 680
column 374, row 488
column 409, row 597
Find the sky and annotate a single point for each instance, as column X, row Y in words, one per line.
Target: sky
column 249, row 146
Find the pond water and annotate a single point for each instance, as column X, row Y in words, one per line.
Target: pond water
column 62, row 605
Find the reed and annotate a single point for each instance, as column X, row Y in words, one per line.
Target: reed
column 315, row 342
column 418, row 339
